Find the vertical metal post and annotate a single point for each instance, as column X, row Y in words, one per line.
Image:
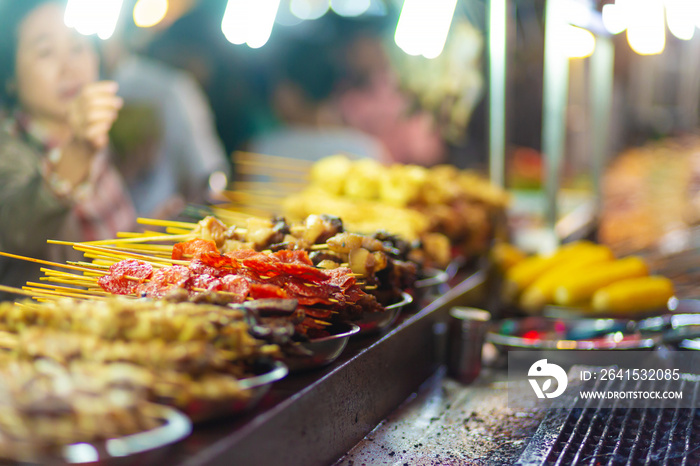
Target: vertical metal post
column 601, row 93
column 555, row 99
column 497, row 90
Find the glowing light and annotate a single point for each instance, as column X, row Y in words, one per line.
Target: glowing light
column 646, row 31
column 614, row 18
column 309, row 9
column 285, row 17
column 681, row 16
column 249, row 23
column 350, row 7
column 148, row 13
column 93, row 16
column 423, row 26
column 577, row 42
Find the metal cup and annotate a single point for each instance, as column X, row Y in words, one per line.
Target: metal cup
column 467, row 330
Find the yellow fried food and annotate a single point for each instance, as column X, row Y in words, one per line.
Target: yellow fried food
column 583, row 283
column 363, row 179
column 633, row 295
column 330, row 173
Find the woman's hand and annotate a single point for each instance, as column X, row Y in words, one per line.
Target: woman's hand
column 90, row 118
column 93, row 112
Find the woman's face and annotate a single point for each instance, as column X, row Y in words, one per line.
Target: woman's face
column 53, row 63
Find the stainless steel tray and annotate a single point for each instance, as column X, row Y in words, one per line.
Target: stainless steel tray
column 143, row 447
column 323, row 350
column 377, row 321
column 254, row 387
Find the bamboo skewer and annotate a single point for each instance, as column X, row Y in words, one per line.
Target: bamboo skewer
column 118, row 254
column 141, row 239
column 276, row 159
column 166, row 223
column 68, row 289
column 40, row 261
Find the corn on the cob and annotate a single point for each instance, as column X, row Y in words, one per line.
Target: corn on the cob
column 584, row 282
column 524, row 273
column 633, row 295
column 542, row 290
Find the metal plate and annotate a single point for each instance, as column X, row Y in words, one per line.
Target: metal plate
column 324, row 350
column 378, row 321
column 139, row 447
column 255, row 388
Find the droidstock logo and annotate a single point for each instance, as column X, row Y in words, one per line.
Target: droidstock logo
column 541, row 369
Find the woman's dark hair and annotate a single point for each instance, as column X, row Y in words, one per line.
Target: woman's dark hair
column 12, row 13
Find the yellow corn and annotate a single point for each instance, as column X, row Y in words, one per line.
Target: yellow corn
column 541, row 292
column 633, row 295
column 582, row 283
column 525, row 272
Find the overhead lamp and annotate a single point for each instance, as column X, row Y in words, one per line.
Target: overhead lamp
column 148, row 13
column 90, row 17
column 646, row 31
column 249, row 22
column 423, row 26
column 680, row 17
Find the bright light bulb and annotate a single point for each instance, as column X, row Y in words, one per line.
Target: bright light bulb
column 680, row 16
column 249, row 22
column 309, row 9
column 577, row 42
column 423, row 26
column 93, row 16
column 148, row 13
column 350, row 7
column 614, row 18
column 646, row 31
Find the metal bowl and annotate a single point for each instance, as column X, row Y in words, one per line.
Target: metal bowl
column 541, row 333
column 136, row 448
column 323, row 350
column 377, row 321
column 254, row 389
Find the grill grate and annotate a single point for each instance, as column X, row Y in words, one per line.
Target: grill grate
column 614, row 436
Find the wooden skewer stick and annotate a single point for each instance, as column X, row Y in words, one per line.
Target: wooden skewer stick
column 19, row 291
column 62, row 274
column 68, row 289
column 177, row 231
column 322, row 322
column 141, row 239
column 250, row 163
column 64, row 281
column 279, row 160
column 40, row 261
column 112, row 252
column 166, row 223
column 44, row 293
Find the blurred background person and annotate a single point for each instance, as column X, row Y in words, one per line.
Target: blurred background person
column 342, row 95
column 166, row 144
column 56, row 178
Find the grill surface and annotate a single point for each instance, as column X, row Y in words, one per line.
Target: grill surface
column 593, row 435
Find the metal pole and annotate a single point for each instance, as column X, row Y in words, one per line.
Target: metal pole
column 601, row 93
column 555, row 99
column 497, row 90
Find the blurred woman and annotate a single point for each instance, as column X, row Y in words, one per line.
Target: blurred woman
column 56, row 179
